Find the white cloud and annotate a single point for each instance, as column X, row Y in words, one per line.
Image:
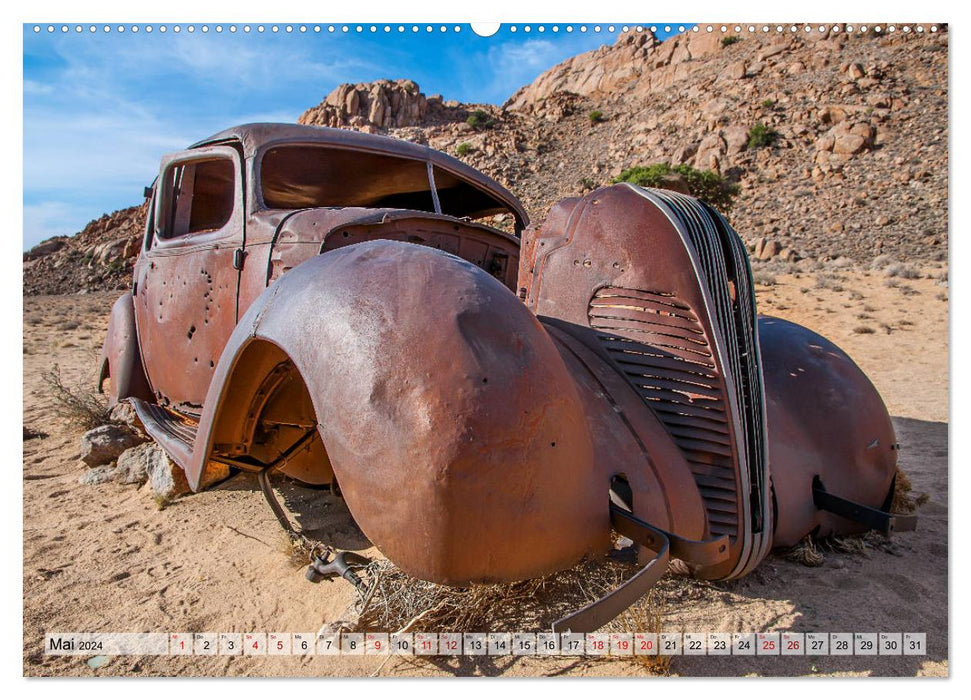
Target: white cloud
column 53, row 218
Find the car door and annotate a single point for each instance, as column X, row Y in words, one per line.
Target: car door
column 186, row 286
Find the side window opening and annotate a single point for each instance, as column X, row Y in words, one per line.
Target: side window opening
column 201, row 197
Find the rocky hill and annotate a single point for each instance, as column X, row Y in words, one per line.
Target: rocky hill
column 837, row 142
column 99, row 257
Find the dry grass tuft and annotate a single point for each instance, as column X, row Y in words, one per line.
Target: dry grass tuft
column 903, row 499
column 863, row 330
column 805, row 553
column 82, row 409
column 296, row 552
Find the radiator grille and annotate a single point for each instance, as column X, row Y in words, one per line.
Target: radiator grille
column 658, row 342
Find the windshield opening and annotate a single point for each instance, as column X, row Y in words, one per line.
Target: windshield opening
column 302, row 176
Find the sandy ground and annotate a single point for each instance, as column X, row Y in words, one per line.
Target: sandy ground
column 106, row 558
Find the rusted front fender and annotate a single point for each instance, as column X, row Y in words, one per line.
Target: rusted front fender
column 453, row 426
column 121, row 360
column 825, row 419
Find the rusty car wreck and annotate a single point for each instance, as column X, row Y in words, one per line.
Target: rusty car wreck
column 493, row 398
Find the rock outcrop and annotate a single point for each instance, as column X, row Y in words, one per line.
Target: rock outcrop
column 384, row 105
column 99, row 257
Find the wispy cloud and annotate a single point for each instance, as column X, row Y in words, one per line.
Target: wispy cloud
column 100, row 110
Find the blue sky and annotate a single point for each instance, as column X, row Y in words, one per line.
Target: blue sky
column 101, row 109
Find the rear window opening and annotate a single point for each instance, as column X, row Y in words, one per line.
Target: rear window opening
column 304, row 176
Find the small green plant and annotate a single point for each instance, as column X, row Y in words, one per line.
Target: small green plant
column 768, row 104
column 761, row 135
column 596, row 116
column 480, row 119
column 703, row 184
column 587, row 184
column 729, row 40
column 464, row 149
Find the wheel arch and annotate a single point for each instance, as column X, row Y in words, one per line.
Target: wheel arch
column 257, row 408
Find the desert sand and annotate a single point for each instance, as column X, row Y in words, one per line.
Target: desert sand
column 107, row 558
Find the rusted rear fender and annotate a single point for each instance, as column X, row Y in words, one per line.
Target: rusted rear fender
column 448, row 416
column 121, row 360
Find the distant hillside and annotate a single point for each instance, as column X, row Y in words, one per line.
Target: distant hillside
column 855, row 163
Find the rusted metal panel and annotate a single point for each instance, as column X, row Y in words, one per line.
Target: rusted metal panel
column 442, row 404
column 121, row 362
column 309, row 232
column 185, row 297
column 640, row 269
column 826, row 420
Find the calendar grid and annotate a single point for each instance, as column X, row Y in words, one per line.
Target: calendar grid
column 604, row 644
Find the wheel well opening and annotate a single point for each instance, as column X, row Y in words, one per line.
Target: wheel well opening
column 266, row 415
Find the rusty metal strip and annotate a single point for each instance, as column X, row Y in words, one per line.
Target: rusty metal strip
column 698, row 552
column 600, row 612
column 875, row 519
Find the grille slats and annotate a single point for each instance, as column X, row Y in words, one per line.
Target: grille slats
column 668, row 359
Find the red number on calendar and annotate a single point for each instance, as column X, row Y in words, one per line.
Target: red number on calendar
column 768, row 644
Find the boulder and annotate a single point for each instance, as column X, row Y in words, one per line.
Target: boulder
column 855, row 71
column 674, row 182
column 849, row 144
column 165, row 478
column 770, row 250
column 736, row 138
column 51, row 245
column 105, row 443
column 124, row 413
column 99, row 475
column 135, row 463
column 735, row 71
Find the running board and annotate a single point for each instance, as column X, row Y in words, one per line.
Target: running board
column 175, row 434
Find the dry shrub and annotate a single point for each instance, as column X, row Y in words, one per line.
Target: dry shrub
column 881, row 261
column 397, row 602
column 907, row 272
column 832, row 282
column 400, row 602
column 297, row 552
column 765, row 278
column 82, row 409
column 863, row 330
column 903, row 499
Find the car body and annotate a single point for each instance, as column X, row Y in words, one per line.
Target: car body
column 337, row 306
